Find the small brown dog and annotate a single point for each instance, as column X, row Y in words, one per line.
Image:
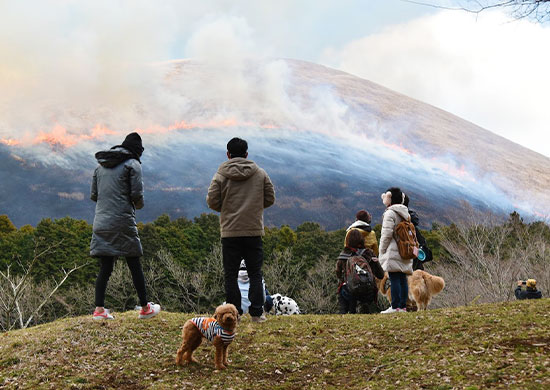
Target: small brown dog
column 220, row 330
column 422, row 287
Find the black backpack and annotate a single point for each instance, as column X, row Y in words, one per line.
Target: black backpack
column 359, row 278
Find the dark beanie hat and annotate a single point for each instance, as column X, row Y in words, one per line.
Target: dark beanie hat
column 132, row 142
column 363, row 215
column 396, row 195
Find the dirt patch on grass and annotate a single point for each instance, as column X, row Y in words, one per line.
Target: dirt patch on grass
column 534, row 343
column 117, row 381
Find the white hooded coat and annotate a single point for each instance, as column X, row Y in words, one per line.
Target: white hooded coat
column 389, row 257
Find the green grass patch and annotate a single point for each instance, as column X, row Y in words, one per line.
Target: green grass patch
column 485, row 346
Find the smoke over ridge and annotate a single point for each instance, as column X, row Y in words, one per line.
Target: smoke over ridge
column 66, row 100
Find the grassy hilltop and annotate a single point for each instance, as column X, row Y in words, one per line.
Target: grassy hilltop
column 486, row 346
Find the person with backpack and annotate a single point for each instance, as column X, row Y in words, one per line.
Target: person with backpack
column 356, row 268
column 418, row 264
column 398, row 247
column 117, row 189
column 362, row 223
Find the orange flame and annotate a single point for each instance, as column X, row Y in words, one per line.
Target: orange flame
column 399, row 148
column 100, row 130
column 59, row 136
column 9, row 141
column 460, row 172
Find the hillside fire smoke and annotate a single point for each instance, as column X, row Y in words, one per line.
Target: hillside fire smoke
column 312, row 121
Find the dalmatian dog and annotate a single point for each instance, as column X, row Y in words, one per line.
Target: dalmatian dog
column 284, row 305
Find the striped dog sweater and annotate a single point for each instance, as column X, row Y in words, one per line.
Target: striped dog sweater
column 210, row 328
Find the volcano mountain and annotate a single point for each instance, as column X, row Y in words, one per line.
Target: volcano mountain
column 331, row 143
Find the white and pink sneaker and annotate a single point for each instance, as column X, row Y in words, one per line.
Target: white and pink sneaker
column 149, row 311
column 104, row 315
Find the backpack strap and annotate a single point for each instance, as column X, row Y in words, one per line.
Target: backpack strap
column 344, row 256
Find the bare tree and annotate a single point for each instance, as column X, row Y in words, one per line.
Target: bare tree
column 477, row 246
column 488, row 256
column 538, row 10
column 537, row 258
column 208, row 280
column 200, row 290
column 318, row 295
column 20, row 298
column 177, row 292
column 282, row 273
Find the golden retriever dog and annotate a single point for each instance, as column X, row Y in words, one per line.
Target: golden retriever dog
column 422, row 288
column 220, row 330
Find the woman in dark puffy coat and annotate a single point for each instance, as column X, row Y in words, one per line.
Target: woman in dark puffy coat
column 117, row 189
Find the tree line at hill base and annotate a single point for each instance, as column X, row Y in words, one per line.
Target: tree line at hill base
column 480, row 257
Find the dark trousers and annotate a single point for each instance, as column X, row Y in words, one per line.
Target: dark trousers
column 399, row 290
column 346, row 302
column 234, row 249
column 106, row 264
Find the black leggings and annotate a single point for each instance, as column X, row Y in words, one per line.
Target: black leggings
column 106, row 264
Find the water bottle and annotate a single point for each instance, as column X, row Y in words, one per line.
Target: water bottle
column 421, row 255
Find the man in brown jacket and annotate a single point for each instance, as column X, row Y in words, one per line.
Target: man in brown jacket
column 240, row 190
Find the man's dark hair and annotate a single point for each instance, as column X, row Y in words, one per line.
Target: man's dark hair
column 363, row 215
column 237, row 147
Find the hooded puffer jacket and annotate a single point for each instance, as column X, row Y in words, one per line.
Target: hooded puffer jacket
column 117, row 189
column 389, row 254
column 240, row 190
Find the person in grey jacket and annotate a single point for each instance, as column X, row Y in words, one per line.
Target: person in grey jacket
column 392, row 262
column 117, row 189
column 240, row 190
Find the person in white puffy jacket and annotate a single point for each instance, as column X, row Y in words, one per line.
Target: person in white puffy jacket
column 392, row 263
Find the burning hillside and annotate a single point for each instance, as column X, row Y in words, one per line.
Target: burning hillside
column 331, row 142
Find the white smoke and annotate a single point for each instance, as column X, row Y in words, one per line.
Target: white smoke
column 486, row 68
column 71, row 66
column 67, row 64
